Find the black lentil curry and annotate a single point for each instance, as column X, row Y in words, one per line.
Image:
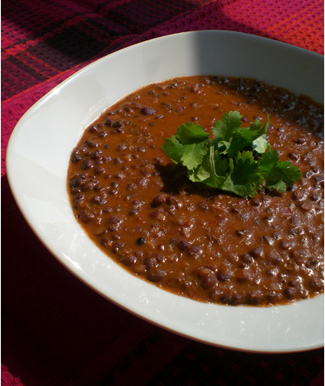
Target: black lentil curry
column 192, row 240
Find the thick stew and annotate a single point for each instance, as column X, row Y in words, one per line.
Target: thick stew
column 192, row 240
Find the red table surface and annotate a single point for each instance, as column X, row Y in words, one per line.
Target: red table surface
column 55, row 330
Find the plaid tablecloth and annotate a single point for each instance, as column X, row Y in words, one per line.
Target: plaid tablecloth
column 55, row 330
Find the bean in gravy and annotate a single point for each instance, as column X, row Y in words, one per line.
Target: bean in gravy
column 189, row 239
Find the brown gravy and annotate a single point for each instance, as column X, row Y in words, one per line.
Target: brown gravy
column 189, row 239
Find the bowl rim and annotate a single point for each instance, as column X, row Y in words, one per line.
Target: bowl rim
column 46, row 99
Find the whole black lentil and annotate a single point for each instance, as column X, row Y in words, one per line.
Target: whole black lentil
column 141, row 241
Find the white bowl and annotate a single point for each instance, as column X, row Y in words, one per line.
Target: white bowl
column 38, row 156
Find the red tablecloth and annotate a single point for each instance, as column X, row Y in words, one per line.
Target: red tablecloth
column 55, row 330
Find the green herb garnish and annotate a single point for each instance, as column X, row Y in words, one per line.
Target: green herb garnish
column 237, row 160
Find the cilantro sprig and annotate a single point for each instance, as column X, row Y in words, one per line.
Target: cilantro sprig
column 237, row 160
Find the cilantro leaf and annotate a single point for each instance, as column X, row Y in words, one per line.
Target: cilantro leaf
column 243, row 179
column 223, row 130
column 193, row 154
column 237, row 160
column 260, row 144
column 237, row 139
column 282, row 175
column 190, row 133
column 278, row 174
column 268, row 160
column 173, row 149
column 212, row 170
column 187, row 146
